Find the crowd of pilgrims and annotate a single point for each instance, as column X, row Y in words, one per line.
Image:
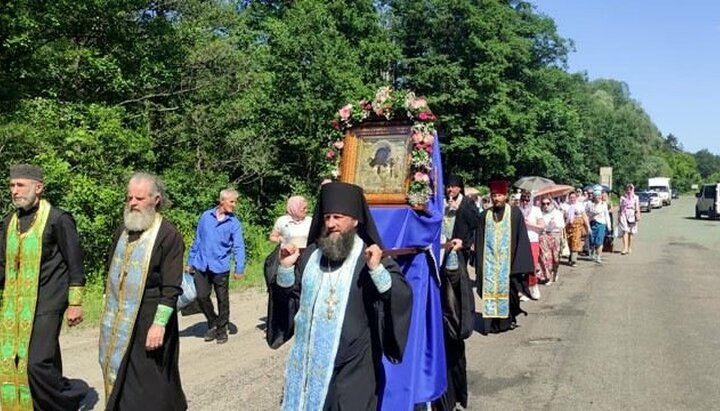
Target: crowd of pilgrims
column 583, row 222
column 369, row 332
column 513, row 242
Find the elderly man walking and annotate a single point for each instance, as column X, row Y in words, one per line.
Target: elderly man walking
column 41, row 275
column 219, row 232
column 139, row 338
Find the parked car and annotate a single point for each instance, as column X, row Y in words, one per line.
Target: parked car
column 708, row 202
column 644, row 202
column 655, row 199
column 675, row 194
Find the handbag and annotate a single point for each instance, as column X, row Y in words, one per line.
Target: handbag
column 189, row 293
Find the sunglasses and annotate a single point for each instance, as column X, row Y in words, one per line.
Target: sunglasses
column 545, row 203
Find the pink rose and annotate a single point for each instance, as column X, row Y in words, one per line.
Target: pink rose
column 417, row 137
column 421, row 177
column 330, row 154
column 428, row 139
column 418, row 103
column 339, row 144
column 345, row 112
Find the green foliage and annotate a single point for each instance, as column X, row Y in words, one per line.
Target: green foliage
column 213, row 94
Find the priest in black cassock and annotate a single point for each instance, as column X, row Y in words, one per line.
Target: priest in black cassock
column 41, row 278
column 459, row 225
column 344, row 303
column 139, row 340
column 503, row 257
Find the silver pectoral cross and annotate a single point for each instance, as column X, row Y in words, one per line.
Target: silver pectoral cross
column 331, row 302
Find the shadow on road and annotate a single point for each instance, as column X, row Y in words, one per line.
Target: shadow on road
column 708, row 220
column 198, row 330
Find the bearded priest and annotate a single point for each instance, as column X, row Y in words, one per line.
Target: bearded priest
column 346, row 305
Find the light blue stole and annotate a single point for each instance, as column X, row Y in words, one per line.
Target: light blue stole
column 496, row 265
column 123, row 294
column 317, row 335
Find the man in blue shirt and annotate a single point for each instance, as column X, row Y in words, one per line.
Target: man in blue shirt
column 218, row 233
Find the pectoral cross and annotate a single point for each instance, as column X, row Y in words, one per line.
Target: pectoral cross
column 331, row 302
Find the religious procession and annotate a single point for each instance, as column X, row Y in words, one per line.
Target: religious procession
column 376, row 288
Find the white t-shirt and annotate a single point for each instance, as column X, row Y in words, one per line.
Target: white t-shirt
column 293, row 232
column 554, row 221
column 532, row 214
column 598, row 212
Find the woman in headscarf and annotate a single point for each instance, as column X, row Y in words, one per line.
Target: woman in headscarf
column 577, row 225
column 628, row 217
column 550, row 240
column 599, row 216
column 535, row 226
column 293, row 227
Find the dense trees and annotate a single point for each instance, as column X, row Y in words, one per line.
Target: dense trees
column 212, row 93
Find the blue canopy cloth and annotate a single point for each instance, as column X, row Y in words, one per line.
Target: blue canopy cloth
column 421, row 376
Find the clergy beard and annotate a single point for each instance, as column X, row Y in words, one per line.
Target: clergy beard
column 138, row 220
column 338, row 248
column 25, row 202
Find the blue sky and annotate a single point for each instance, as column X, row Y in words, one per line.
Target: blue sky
column 667, row 52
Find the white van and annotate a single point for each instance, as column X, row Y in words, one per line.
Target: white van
column 708, row 202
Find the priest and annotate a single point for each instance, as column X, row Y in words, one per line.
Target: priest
column 346, row 305
column 503, row 257
column 139, row 339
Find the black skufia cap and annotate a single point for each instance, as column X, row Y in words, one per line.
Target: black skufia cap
column 346, row 199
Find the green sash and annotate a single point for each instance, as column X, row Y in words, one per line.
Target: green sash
column 22, row 271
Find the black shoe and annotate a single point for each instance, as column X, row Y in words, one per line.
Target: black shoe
column 222, row 337
column 211, row 334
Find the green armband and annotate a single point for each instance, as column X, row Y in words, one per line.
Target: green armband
column 162, row 315
column 75, row 295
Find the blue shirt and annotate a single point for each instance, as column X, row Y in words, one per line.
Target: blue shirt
column 214, row 240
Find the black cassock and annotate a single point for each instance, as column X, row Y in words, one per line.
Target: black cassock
column 61, row 266
column 458, row 306
column 375, row 324
column 521, row 264
column 150, row 380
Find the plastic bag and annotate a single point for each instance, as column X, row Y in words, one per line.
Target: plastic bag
column 189, row 291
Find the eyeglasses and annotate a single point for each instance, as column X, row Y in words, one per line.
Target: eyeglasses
column 545, row 203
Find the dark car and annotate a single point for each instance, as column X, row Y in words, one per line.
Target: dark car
column 645, row 202
column 675, row 194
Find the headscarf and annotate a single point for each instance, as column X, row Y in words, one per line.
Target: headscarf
column 346, row 199
column 295, row 206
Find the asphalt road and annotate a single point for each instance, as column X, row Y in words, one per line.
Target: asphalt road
column 638, row 332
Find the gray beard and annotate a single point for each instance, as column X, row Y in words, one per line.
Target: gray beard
column 26, row 202
column 138, row 220
column 336, row 250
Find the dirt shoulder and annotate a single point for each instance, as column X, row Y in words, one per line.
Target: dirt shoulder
column 215, row 377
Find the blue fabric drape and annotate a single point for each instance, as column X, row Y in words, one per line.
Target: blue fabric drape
column 421, row 376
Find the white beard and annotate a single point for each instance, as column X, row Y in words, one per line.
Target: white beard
column 139, row 220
